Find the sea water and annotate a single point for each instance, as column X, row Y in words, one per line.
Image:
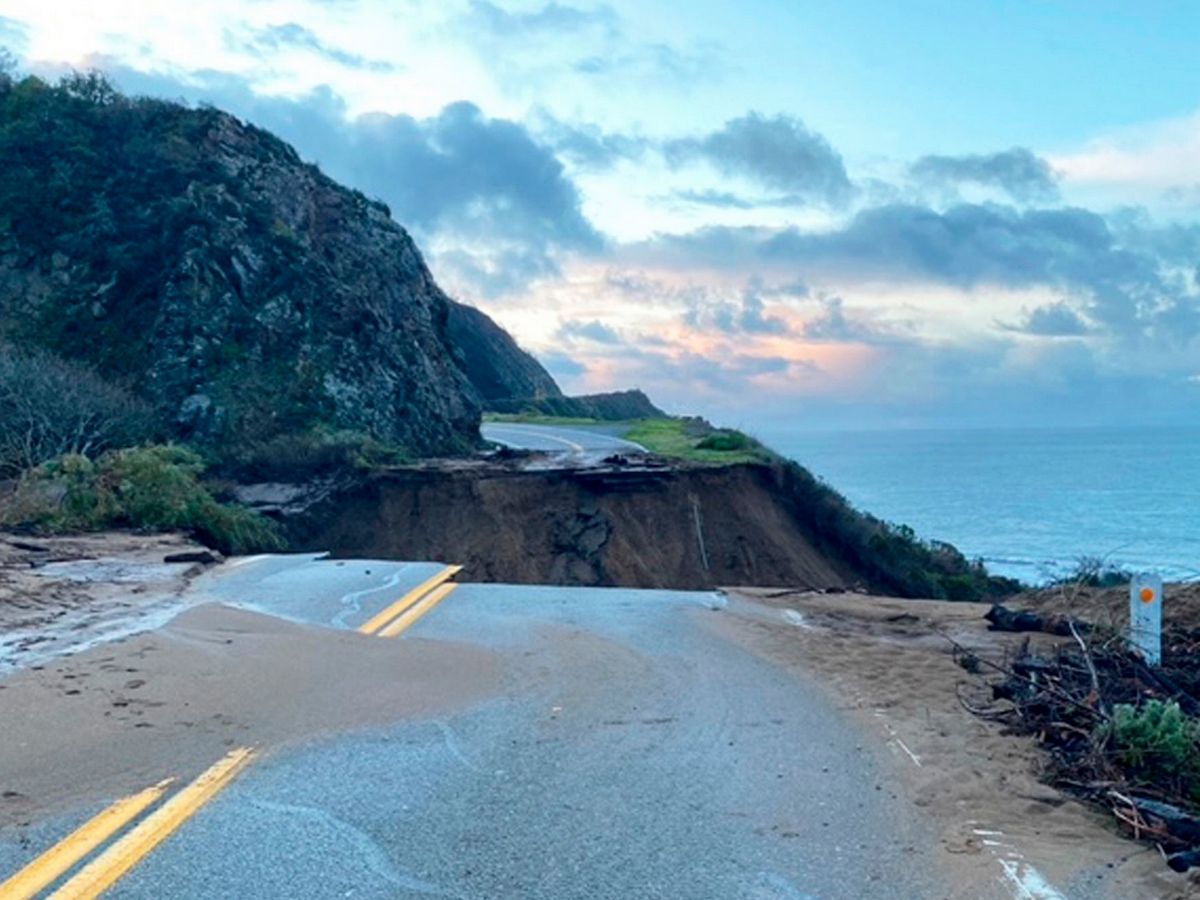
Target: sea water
column 1029, row 502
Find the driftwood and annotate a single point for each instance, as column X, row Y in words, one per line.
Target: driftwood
column 1017, row 620
column 1065, row 696
column 1177, row 823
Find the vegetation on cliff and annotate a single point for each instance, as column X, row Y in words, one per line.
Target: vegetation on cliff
column 233, row 288
column 613, row 406
column 150, row 488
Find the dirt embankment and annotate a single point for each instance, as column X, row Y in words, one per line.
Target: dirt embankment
column 686, row 528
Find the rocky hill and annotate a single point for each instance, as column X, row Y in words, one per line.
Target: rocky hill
column 612, row 406
column 495, row 365
column 200, row 261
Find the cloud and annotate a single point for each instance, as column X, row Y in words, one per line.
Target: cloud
column 779, row 153
column 549, row 19
column 484, row 175
column 543, row 46
column 1018, row 172
column 1159, row 155
column 1052, row 320
column 836, row 324
column 730, row 200
column 14, row 34
column 291, row 35
column 745, row 315
column 664, row 62
column 680, row 375
column 591, row 331
column 561, row 366
column 491, row 204
column 719, row 199
column 587, row 145
column 1184, row 195
column 1126, row 285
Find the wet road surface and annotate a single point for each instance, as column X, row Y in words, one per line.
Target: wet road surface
column 554, row 438
column 627, row 751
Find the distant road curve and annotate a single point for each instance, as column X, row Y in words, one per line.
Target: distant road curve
column 555, row 439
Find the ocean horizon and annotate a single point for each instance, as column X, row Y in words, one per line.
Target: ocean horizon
column 1030, row 502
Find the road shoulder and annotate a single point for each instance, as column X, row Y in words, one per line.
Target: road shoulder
column 887, row 662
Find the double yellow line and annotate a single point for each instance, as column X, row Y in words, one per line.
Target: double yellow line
column 106, row 869
column 402, row 614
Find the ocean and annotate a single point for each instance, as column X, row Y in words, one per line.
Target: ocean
column 1029, row 502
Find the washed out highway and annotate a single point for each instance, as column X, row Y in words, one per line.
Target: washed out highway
column 577, row 440
column 478, row 741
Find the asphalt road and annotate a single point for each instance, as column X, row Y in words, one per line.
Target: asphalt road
column 577, row 440
column 627, row 751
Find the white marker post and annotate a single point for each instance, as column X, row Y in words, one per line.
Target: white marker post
column 1145, row 616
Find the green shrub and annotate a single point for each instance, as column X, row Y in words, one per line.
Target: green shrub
column 1093, row 571
column 725, row 441
column 155, row 488
column 963, row 588
column 297, row 456
column 695, row 440
column 892, row 557
column 1157, row 743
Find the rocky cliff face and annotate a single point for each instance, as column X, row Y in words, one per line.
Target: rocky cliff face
column 495, row 365
column 240, row 290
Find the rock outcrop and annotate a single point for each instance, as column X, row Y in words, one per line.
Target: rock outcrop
column 246, row 295
column 612, row 407
column 497, row 368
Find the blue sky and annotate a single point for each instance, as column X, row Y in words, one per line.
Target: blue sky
column 848, row 214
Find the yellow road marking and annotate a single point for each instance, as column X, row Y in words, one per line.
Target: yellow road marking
column 50, row 866
column 409, row 618
column 382, row 618
column 106, row 869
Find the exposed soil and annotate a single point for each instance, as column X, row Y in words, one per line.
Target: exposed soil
column 888, row 661
column 652, row 527
column 58, row 591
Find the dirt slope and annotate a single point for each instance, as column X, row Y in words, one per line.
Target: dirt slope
column 681, row 528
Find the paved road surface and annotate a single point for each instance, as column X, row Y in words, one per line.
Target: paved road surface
column 628, row 751
column 578, row 440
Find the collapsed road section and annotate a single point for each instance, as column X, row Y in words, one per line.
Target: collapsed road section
column 621, row 521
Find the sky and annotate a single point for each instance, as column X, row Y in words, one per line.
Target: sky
column 824, row 215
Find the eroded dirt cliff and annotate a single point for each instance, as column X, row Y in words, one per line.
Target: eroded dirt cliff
column 682, row 527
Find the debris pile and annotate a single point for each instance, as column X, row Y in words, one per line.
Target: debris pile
column 1120, row 733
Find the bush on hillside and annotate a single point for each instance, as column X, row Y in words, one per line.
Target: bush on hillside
column 50, row 407
column 727, row 440
column 298, row 456
column 1157, row 743
column 614, row 406
column 1094, row 571
column 155, row 488
column 892, row 557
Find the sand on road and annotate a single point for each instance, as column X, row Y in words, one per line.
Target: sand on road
column 128, row 713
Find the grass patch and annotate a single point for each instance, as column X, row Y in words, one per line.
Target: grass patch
column 690, row 439
column 697, row 441
column 154, row 488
